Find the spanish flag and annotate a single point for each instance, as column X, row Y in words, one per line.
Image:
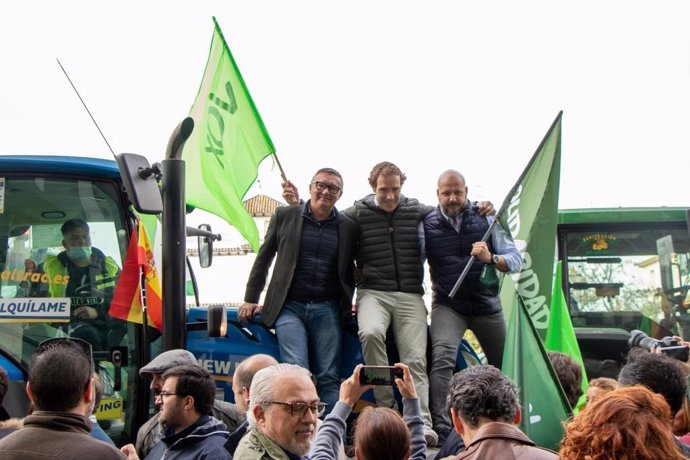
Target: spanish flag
column 127, row 300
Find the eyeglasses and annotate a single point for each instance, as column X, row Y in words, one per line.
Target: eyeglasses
column 321, row 186
column 165, row 393
column 298, row 408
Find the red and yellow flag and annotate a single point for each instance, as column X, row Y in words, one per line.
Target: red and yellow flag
column 127, row 300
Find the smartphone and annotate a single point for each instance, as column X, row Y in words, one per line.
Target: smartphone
column 379, row 375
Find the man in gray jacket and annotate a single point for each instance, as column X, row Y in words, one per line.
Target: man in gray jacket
column 311, row 289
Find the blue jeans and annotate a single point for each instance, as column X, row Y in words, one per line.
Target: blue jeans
column 310, row 335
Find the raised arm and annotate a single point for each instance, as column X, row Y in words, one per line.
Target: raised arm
column 331, row 433
column 412, row 413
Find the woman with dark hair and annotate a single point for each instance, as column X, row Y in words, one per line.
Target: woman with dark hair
column 569, row 375
column 380, row 433
column 630, row 423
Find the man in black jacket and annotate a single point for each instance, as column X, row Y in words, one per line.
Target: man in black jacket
column 390, row 290
column 311, row 289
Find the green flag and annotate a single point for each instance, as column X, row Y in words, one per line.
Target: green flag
column 560, row 335
column 543, row 404
column 530, row 214
column 228, row 142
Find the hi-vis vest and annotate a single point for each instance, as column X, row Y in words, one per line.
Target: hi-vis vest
column 102, row 275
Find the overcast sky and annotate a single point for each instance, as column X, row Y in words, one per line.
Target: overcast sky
column 428, row 85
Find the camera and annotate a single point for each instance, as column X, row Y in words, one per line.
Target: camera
column 667, row 345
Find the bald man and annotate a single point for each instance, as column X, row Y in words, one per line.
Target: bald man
column 453, row 233
column 241, row 383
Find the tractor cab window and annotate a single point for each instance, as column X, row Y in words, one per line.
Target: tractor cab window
column 62, row 244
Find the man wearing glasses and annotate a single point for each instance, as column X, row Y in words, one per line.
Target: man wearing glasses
column 283, row 413
column 311, row 289
column 62, row 393
column 190, row 431
column 150, row 432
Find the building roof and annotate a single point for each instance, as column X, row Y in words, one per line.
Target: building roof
column 262, row 206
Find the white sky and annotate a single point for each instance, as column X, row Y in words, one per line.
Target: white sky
column 428, row 85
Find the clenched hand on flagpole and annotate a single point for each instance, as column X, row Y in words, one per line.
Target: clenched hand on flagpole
column 528, row 215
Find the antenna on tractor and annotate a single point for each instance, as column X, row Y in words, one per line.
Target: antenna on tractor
column 87, row 109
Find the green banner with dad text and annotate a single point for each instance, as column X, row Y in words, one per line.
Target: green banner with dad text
column 530, row 214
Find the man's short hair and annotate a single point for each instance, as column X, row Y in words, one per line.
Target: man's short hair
column 59, row 375
column 385, row 168
column 97, row 391
column 483, row 391
column 4, row 383
column 72, row 224
column 330, row 171
column 167, row 360
column 658, row 372
column 569, row 374
column 265, row 383
column 195, row 381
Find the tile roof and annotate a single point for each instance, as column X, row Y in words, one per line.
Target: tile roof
column 262, row 206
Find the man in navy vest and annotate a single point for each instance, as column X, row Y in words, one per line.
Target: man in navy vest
column 453, row 233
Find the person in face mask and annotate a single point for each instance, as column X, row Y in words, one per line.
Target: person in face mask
column 87, row 276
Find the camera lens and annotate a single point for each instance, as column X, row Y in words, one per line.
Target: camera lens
column 642, row 340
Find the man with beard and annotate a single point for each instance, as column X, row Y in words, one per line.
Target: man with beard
column 283, row 412
column 150, row 432
column 190, row 431
column 453, row 234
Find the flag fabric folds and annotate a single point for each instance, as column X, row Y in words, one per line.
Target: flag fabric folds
column 543, row 403
column 530, row 214
column 127, row 300
column 560, row 335
column 229, row 141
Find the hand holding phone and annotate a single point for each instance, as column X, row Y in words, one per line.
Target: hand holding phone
column 379, row 375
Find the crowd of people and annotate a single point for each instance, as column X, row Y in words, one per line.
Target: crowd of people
column 299, row 408
column 279, row 415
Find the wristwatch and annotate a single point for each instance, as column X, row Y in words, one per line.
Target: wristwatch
column 494, row 259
